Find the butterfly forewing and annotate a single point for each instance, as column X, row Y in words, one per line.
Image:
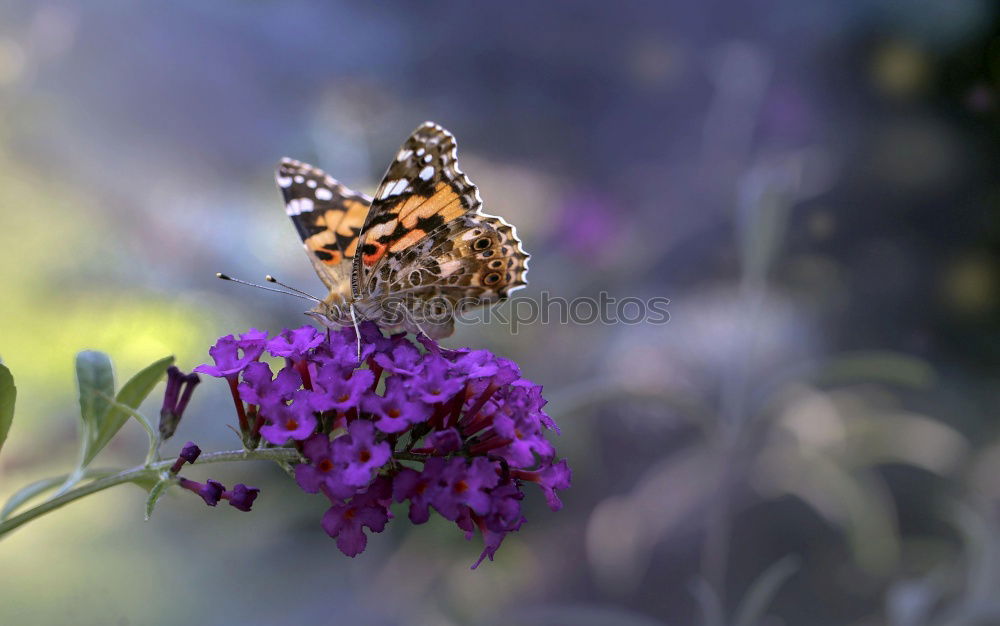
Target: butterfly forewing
column 426, row 233
column 327, row 215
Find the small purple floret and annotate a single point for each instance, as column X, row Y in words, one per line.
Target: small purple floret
column 395, row 412
column 435, row 382
column 346, row 521
column 323, row 472
column 259, row 388
column 241, row 497
column 335, row 392
column 176, row 397
column 293, row 344
column 295, row 421
column 463, row 484
column 227, row 357
column 210, row 491
column 190, row 452
column 360, row 453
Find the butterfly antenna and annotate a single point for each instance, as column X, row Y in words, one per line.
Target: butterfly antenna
column 272, row 279
column 303, row 295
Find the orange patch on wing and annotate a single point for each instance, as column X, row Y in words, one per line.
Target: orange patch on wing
column 407, row 240
column 317, row 241
column 352, row 248
column 330, row 218
column 334, row 259
column 353, row 218
column 443, row 201
column 316, row 244
column 371, row 259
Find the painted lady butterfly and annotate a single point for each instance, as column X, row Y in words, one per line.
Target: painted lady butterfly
column 416, row 254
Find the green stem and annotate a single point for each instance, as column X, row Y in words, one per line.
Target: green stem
column 407, row 456
column 136, row 474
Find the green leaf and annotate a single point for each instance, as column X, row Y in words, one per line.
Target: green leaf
column 130, row 397
column 37, row 488
column 763, row 590
column 154, row 496
column 8, row 393
column 96, row 381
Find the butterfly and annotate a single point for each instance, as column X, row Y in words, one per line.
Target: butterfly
column 413, row 256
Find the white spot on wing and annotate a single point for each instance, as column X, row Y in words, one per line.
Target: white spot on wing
column 450, row 267
column 403, row 155
column 284, row 181
column 298, row 206
column 311, row 183
column 420, row 152
column 299, row 178
column 394, row 188
column 323, row 193
column 426, row 173
column 401, row 185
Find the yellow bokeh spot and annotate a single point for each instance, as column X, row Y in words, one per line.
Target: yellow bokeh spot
column 900, row 69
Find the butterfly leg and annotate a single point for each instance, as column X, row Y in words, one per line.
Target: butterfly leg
column 357, row 331
column 417, row 324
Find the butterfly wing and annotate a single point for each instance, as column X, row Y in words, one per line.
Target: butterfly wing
column 426, row 237
column 327, row 215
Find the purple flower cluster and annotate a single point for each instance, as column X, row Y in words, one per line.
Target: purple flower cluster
column 458, row 431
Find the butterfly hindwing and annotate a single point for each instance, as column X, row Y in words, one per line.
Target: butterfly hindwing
column 475, row 256
column 327, row 215
column 473, row 262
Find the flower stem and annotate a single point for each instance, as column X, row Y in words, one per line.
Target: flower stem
column 409, row 456
column 137, row 474
column 241, row 413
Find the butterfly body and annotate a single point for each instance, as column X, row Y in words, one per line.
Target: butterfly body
column 414, row 255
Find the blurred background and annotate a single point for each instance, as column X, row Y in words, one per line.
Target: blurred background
column 811, row 440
